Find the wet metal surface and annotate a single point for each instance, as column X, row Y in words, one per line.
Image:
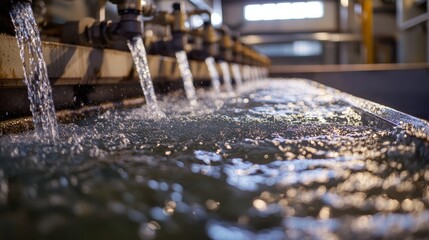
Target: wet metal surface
column 285, row 159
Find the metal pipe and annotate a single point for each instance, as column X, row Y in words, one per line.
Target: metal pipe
column 128, row 6
column 237, row 50
column 180, row 17
column 101, row 14
column 175, row 20
column 367, row 30
column 104, row 33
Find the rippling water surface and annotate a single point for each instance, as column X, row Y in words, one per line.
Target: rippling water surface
column 283, row 160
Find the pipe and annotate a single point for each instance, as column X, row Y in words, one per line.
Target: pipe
column 237, row 50
column 367, row 30
column 205, row 42
column 210, row 39
column 175, row 20
column 130, row 24
column 103, row 33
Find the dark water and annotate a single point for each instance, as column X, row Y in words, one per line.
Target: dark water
column 284, row 160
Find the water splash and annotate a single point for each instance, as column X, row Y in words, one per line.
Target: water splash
column 214, row 75
column 35, row 73
column 138, row 52
column 226, row 76
column 285, row 159
column 237, row 76
column 188, row 79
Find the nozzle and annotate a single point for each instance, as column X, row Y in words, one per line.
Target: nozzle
column 130, row 24
column 179, row 30
column 177, row 6
column 128, row 6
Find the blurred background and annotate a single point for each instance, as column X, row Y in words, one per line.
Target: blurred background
column 296, row 32
column 375, row 49
column 300, row 32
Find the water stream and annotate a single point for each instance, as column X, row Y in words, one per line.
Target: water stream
column 246, row 73
column 35, row 71
column 226, row 76
column 235, row 68
column 188, row 79
column 214, row 75
column 253, row 73
column 138, row 53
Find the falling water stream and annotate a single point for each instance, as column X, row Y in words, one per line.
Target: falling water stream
column 188, row 79
column 226, row 76
column 138, row 53
column 35, row 71
column 214, row 75
column 246, row 73
column 235, row 68
column 253, row 73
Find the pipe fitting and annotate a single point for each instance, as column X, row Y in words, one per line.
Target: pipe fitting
column 130, row 24
column 128, row 6
column 179, row 18
column 237, row 50
column 148, row 9
column 128, row 27
column 106, row 33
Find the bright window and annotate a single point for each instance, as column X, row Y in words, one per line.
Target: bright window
column 284, row 11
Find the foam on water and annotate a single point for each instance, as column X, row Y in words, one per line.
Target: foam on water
column 35, row 71
column 286, row 159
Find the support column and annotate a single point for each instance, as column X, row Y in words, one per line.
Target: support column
column 367, row 30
